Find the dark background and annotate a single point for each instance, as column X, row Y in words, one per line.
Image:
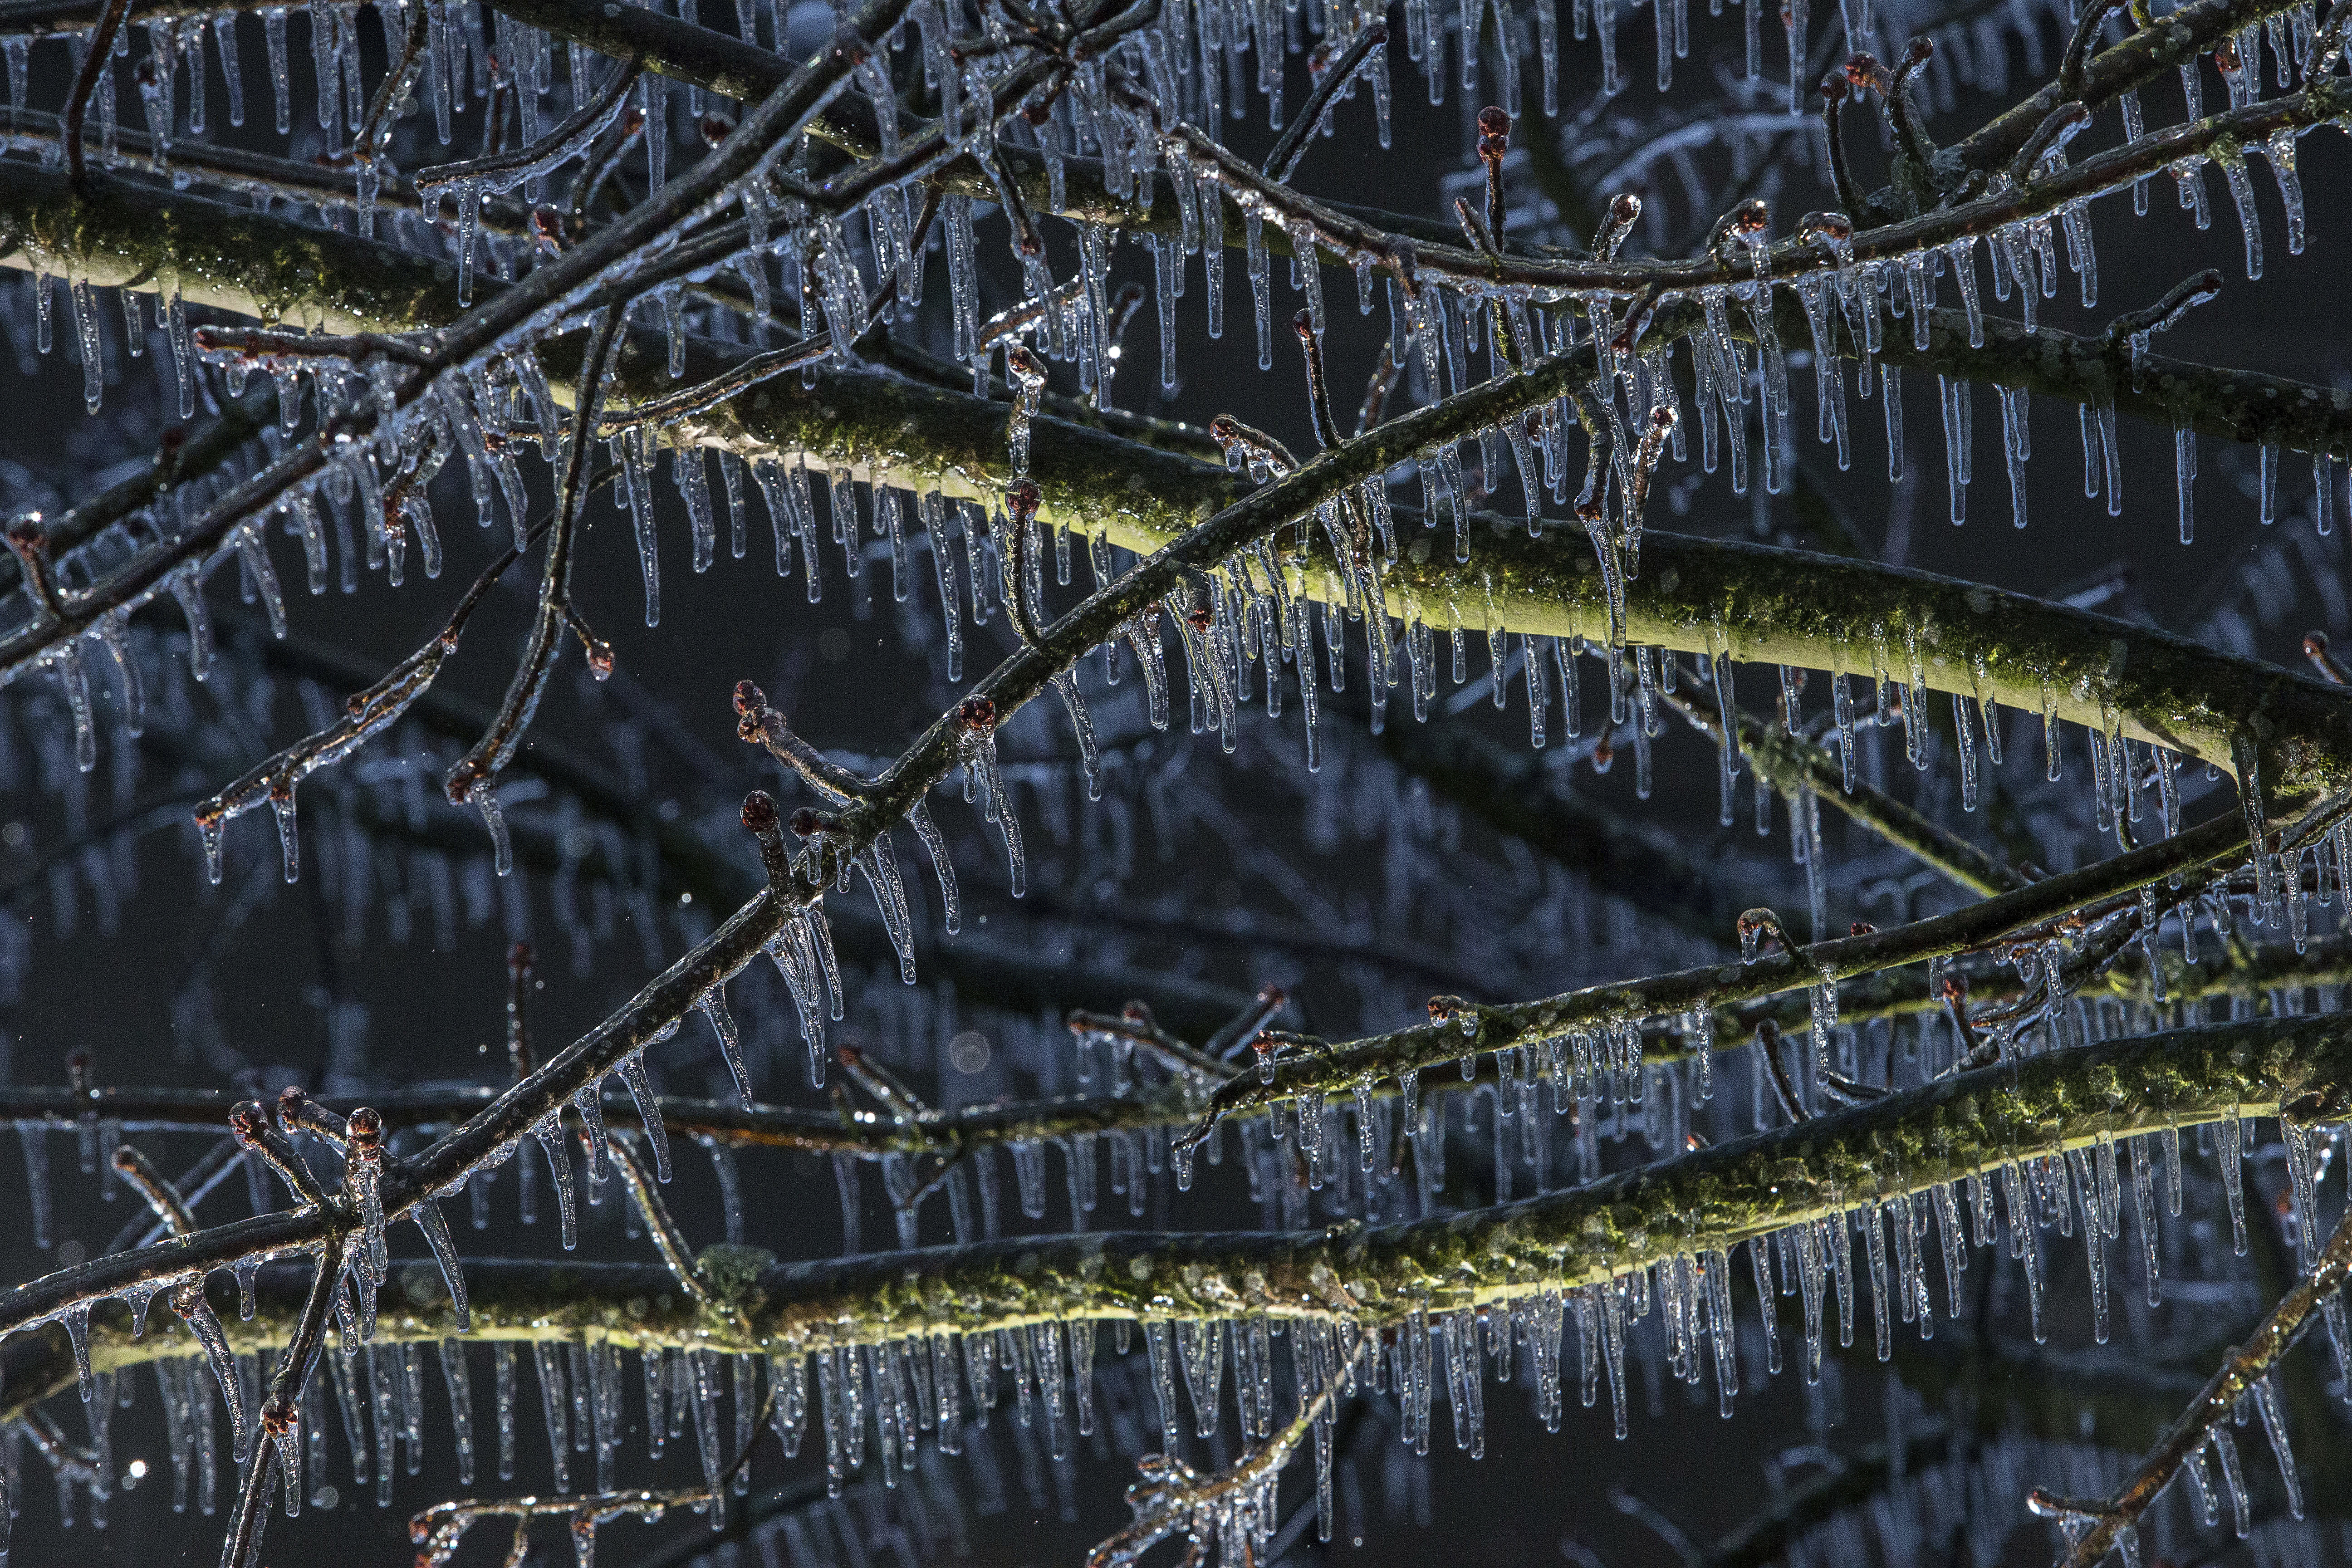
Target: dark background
column 1343, row 886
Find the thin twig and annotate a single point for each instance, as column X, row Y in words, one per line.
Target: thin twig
column 2244, row 1367
column 1292, row 146
column 96, row 61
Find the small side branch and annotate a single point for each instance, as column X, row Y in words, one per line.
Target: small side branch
column 2116, row 1519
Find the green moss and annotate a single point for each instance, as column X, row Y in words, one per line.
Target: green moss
column 1708, row 1201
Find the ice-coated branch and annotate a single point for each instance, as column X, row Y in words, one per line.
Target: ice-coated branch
column 1465, row 1029
column 745, row 934
column 156, row 1188
column 503, row 171
column 98, row 59
column 2097, row 1527
column 2325, row 99
column 240, row 170
column 473, row 778
column 1281, row 163
column 859, row 422
column 727, row 1123
column 949, row 1134
column 1792, row 764
column 439, row 1530
column 668, row 1240
column 1236, row 1506
column 2145, row 55
column 1909, row 1141
column 367, row 714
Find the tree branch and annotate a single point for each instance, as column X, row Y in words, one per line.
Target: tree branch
column 1713, row 1199
column 1468, row 1029
column 2240, row 1371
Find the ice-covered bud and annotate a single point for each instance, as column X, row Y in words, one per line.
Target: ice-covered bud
column 1916, row 56
column 1835, row 88
column 749, row 698
column 761, row 817
column 2316, row 650
column 1756, row 926
column 825, row 847
column 1751, row 218
column 976, row 715
column 1021, row 499
column 1138, row 1013
column 1830, row 228
column 1494, row 134
column 1028, row 372
column 27, row 537
column 1226, row 432
column 1860, row 928
column 362, row 1180
column 600, row 658
column 760, row 812
column 1455, row 1010
column 81, row 1070
column 248, row 1120
column 1615, row 224
column 715, row 128
column 546, row 230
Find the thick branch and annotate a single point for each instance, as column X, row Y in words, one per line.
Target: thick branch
column 1713, row 1199
column 859, row 422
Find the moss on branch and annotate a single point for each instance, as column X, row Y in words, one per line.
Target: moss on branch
column 1770, row 607
column 1712, row 1199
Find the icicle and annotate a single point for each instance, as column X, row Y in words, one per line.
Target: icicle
column 713, row 1005
column 2184, row 471
column 549, row 1131
column 76, row 1322
column 429, row 1217
column 1261, row 286
column 649, row 1116
column 2281, row 151
column 2233, row 1182
column 459, row 1383
column 2233, row 1477
column 2240, row 181
column 2017, row 446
